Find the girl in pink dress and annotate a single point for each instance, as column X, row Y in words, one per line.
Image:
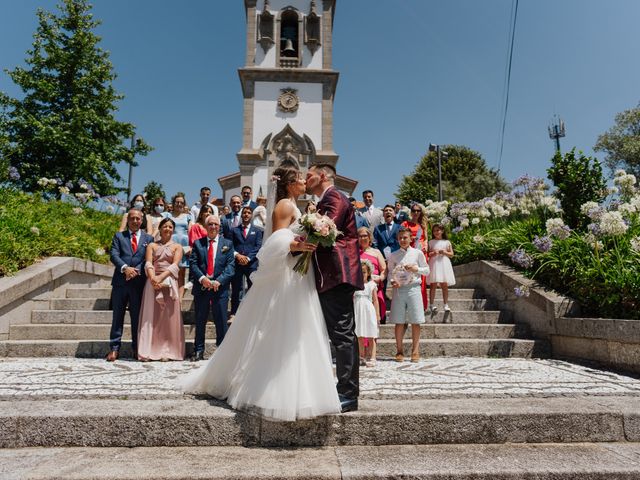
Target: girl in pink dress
column 161, row 333
column 379, row 274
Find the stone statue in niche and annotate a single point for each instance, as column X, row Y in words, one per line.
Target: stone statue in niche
column 287, row 150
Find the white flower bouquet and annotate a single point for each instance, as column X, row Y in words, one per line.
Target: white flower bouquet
column 401, row 276
column 319, row 230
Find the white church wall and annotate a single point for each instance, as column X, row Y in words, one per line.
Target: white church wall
column 265, row 60
column 268, row 119
column 309, row 61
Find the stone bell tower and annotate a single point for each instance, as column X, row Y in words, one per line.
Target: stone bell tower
column 288, row 86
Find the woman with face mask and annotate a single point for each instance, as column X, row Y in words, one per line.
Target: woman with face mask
column 137, row 203
column 158, row 207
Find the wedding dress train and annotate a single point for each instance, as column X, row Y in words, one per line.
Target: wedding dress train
column 275, row 358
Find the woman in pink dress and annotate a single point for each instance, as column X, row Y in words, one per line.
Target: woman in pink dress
column 367, row 252
column 161, row 333
column 198, row 230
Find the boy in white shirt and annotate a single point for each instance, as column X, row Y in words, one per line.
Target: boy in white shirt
column 405, row 267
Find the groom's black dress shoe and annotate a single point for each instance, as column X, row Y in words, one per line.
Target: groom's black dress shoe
column 197, row 356
column 348, row 404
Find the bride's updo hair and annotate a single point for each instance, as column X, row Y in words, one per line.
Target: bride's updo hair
column 287, row 175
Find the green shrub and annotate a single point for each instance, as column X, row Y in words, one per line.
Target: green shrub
column 32, row 228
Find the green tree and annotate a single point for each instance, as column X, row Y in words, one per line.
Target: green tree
column 578, row 179
column 621, row 143
column 152, row 191
column 64, row 126
column 465, row 177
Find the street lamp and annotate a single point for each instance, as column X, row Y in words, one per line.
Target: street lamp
column 436, row 148
column 133, row 156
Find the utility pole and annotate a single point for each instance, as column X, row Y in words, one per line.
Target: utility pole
column 440, row 153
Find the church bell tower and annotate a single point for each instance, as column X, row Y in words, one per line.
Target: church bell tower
column 288, row 87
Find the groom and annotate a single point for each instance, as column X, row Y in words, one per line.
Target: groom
column 338, row 275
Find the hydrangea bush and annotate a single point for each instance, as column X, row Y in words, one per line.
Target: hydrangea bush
column 598, row 265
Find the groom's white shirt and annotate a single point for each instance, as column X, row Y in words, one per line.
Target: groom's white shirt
column 325, row 191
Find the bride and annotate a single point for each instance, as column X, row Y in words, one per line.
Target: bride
column 275, row 359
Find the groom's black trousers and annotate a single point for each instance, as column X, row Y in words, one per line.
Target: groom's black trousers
column 337, row 308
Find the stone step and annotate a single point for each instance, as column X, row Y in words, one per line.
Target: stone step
column 98, row 348
column 548, row 461
column 474, row 304
column 454, row 293
column 188, row 317
column 495, row 348
column 207, row 422
column 67, row 331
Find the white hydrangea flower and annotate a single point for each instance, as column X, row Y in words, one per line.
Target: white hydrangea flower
column 593, row 242
column 612, row 223
column 475, row 221
column 478, row 239
column 556, row 228
column 464, row 223
column 100, row 251
column 635, row 244
column 77, row 210
column 627, row 209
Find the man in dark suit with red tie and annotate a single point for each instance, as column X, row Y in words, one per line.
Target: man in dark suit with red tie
column 128, row 250
column 247, row 240
column 211, row 266
column 338, row 275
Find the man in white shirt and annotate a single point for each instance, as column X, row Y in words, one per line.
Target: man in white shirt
column 205, row 194
column 372, row 214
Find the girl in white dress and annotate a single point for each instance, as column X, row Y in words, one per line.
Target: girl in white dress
column 275, row 360
column 367, row 316
column 440, row 254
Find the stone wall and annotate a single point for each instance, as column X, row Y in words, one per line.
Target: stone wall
column 32, row 288
column 550, row 316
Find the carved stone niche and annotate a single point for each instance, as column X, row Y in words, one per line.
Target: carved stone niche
column 312, row 29
column 287, row 148
column 266, row 28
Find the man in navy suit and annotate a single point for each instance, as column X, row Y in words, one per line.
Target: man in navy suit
column 247, row 240
column 232, row 219
column 211, row 266
column 127, row 254
column 246, row 192
column 385, row 234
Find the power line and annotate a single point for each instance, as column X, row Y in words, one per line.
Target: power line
column 514, row 10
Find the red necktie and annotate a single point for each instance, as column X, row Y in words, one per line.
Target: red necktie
column 210, row 259
column 134, row 242
column 244, row 232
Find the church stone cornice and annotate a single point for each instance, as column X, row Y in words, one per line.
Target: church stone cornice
column 248, row 76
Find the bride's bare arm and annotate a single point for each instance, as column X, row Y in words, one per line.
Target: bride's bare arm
column 282, row 216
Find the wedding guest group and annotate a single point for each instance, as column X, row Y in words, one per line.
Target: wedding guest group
column 159, row 242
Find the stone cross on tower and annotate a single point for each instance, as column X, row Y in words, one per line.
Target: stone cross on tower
column 288, row 85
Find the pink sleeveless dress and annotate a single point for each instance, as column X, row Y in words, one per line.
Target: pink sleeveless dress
column 376, row 271
column 160, row 330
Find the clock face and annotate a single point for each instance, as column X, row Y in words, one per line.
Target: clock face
column 288, row 100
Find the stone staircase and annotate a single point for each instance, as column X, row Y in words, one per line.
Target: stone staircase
column 505, row 439
column 78, row 325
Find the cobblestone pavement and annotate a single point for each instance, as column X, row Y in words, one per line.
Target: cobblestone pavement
column 32, row 378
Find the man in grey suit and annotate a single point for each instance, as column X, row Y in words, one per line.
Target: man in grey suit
column 372, row 214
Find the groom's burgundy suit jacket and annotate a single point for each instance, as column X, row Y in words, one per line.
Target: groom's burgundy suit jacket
column 341, row 263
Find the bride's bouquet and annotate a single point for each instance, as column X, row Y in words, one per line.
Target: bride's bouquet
column 319, row 230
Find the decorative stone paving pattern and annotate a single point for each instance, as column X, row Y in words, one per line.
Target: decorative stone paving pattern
column 433, row 378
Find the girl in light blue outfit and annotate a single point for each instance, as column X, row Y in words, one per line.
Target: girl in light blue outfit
column 405, row 267
column 183, row 222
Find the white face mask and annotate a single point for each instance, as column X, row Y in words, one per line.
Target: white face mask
column 138, row 205
column 159, row 208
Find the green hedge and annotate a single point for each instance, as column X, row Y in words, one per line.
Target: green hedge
column 32, row 228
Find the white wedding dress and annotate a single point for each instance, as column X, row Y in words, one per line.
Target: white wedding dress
column 275, row 359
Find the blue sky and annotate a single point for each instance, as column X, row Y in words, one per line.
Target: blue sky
column 411, row 72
